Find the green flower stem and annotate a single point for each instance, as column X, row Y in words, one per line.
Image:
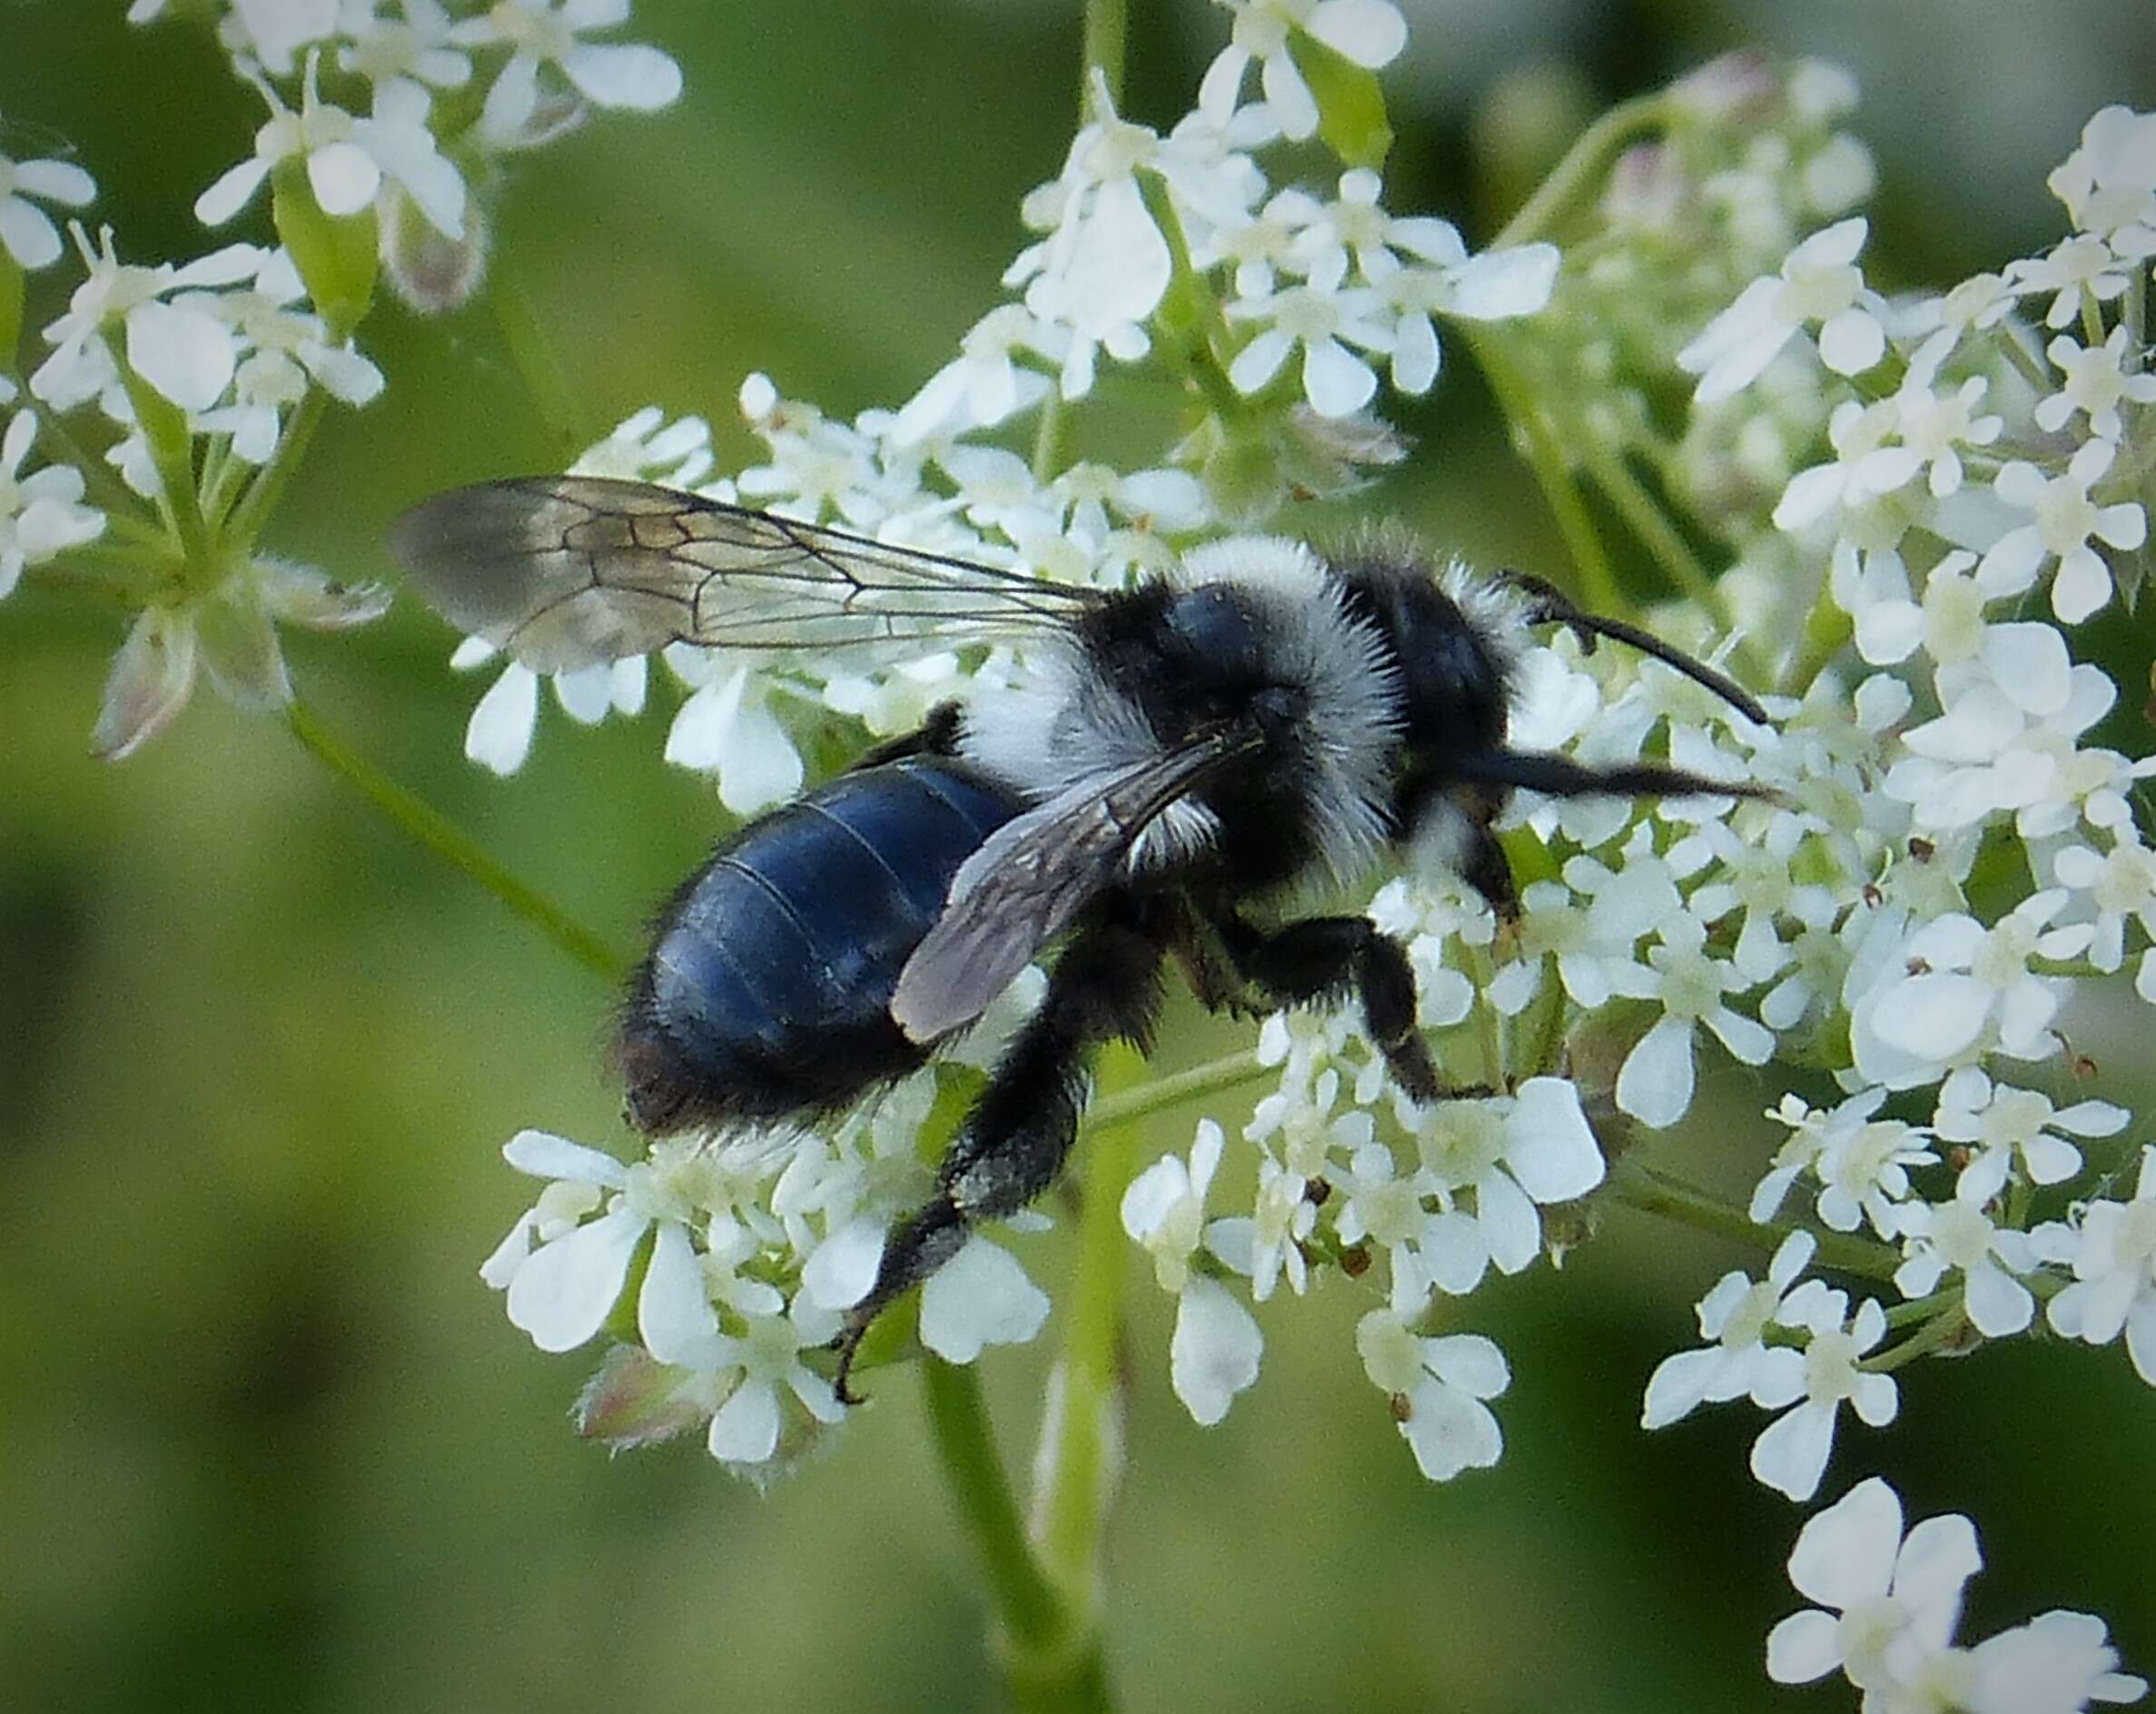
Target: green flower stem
column 1081, row 1441
column 1025, row 1605
column 1639, row 1186
column 1107, row 36
column 2018, row 354
column 1048, row 435
column 165, row 429
column 1192, row 329
column 1921, row 1309
column 1650, row 520
column 439, row 835
column 1553, row 473
column 1947, row 1325
column 536, row 366
column 1580, row 169
column 1215, row 1077
column 2093, row 328
column 246, row 520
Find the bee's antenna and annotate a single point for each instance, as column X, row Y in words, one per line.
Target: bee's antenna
column 1552, row 606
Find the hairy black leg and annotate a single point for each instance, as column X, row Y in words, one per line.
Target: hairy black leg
column 1328, row 957
column 937, row 735
column 1106, row 984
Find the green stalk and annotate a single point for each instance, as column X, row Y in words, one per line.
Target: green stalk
column 965, row 1441
column 1107, row 37
column 1156, row 1094
column 263, row 494
column 1639, row 1186
column 1590, row 152
column 1081, row 1441
column 1946, row 1326
column 536, row 366
column 446, row 840
column 1553, row 473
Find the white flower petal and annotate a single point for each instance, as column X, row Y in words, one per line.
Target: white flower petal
column 673, row 1313
column 1549, row 1146
column 745, row 1429
column 499, row 735
column 543, row 1155
column 979, row 1297
column 186, row 354
column 1791, row 1452
column 1654, row 1083
column 564, row 1291
column 1215, row 1350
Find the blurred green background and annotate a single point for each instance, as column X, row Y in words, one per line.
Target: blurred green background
column 266, row 1441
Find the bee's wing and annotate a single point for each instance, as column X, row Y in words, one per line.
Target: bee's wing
column 1024, row 886
column 565, row 571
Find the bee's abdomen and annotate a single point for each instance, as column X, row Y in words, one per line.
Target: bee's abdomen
column 767, row 988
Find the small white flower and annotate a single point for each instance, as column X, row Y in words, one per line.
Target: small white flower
column 726, row 729
column 26, row 232
column 414, row 46
column 2112, row 1250
column 1163, row 1208
column 347, row 157
column 1861, row 1162
column 184, row 351
column 1370, row 33
column 1737, row 1314
column 2121, row 884
column 1791, row 1452
column 563, row 1273
column 1267, row 1246
column 1960, row 987
column 755, row 1371
column 981, row 386
column 2075, row 270
column 2096, row 385
column 2109, row 183
column 1438, row 1387
column 1512, row 1152
column 1324, row 324
column 2066, row 520
column 41, row 514
column 2001, row 1124
column 1888, row 1605
column 1819, row 282
column 2057, row 1663
column 1937, row 1237
column 606, row 73
column 1654, row 1083
column 1102, row 268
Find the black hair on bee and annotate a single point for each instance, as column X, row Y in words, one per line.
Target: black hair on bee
column 1180, row 762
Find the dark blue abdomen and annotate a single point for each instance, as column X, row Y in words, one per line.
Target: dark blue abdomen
column 767, row 987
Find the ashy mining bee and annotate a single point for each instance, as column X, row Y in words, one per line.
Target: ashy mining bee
column 1179, row 756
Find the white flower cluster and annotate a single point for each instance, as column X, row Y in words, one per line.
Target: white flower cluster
column 1928, row 851
column 726, row 1257
column 1889, row 1604
column 1144, row 237
column 205, row 374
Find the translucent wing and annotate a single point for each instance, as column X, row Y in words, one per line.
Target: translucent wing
column 1024, row 886
column 564, row 572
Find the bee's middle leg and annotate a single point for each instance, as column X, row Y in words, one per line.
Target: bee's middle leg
column 1105, row 985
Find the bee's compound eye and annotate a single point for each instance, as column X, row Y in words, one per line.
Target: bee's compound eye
column 1218, row 631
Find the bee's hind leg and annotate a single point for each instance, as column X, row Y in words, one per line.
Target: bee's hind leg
column 1105, row 985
